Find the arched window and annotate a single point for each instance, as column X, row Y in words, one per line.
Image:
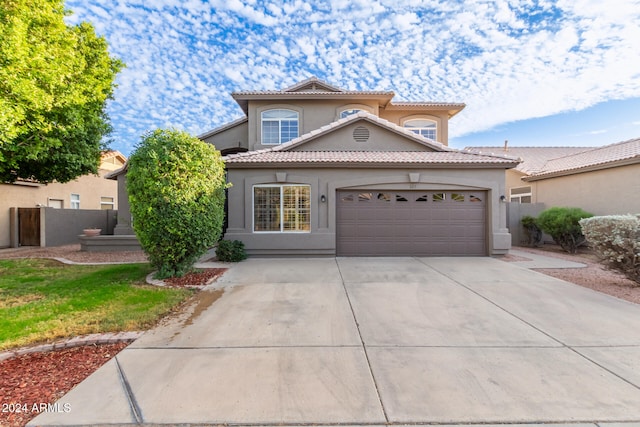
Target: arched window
column 346, row 113
column 279, row 126
column 424, row 127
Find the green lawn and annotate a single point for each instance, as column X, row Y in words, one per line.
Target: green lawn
column 43, row 300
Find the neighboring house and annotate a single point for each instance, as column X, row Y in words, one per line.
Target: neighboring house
column 318, row 170
column 533, row 159
column 603, row 180
column 86, row 192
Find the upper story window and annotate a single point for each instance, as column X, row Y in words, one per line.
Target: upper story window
column 279, row 126
column 424, row 127
column 346, row 113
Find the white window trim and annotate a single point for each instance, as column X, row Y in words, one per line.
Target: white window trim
column 280, row 142
column 74, row 203
column 362, row 107
column 429, row 119
column 112, row 203
column 519, row 196
column 282, row 231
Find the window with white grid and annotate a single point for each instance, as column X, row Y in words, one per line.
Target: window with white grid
column 279, row 126
column 424, row 127
column 75, row 201
column 281, row 208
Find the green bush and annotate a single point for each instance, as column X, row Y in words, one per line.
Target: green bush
column 563, row 225
column 176, row 189
column 616, row 240
column 231, row 251
column 534, row 234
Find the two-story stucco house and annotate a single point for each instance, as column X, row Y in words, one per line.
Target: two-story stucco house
column 318, row 170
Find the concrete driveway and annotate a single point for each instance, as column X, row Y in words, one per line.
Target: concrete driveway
column 376, row 341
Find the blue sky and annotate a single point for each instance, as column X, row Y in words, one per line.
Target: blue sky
column 535, row 72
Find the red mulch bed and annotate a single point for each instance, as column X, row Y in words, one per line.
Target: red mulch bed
column 196, row 279
column 28, row 381
column 41, row 378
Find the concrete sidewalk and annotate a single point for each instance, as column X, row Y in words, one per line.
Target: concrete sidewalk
column 541, row 261
column 376, row 341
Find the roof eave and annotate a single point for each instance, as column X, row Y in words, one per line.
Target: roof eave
column 366, row 165
column 116, row 173
column 230, row 125
column 592, row 168
column 451, row 108
column 242, row 98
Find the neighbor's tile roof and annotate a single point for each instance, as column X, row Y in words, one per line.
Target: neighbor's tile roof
column 533, row 158
column 621, row 153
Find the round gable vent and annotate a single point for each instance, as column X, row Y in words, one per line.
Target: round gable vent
column 361, row 134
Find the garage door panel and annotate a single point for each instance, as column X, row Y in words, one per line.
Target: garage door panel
column 411, row 223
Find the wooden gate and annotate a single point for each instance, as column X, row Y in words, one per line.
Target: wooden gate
column 29, row 226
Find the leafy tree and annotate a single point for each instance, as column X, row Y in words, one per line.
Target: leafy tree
column 176, row 186
column 55, row 80
column 563, row 224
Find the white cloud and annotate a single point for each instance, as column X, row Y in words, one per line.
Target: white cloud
column 506, row 60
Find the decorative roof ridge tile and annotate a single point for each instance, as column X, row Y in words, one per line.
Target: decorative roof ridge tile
column 342, row 94
column 312, row 79
column 427, row 103
column 481, row 153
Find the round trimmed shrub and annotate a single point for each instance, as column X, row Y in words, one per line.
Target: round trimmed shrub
column 563, row 225
column 616, row 240
column 176, row 186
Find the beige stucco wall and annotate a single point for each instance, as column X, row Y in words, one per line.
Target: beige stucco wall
column 236, row 136
column 380, row 139
column 604, row 192
column 440, row 117
column 322, row 240
column 514, row 179
column 314, row 114
column 90, row 188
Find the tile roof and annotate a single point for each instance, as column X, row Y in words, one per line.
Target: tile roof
column 621, row 153
column 312, row 81
column 367, row 158
column 452, row 108
column 533, row 158
column 371, row 118
column 441, row 156
column 223, row 127
column 316, row 88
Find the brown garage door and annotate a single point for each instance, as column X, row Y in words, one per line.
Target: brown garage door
column 411, row 223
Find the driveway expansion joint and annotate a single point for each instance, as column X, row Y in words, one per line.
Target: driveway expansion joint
column 473, row 291
column 364, row 347
column 136, row 412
